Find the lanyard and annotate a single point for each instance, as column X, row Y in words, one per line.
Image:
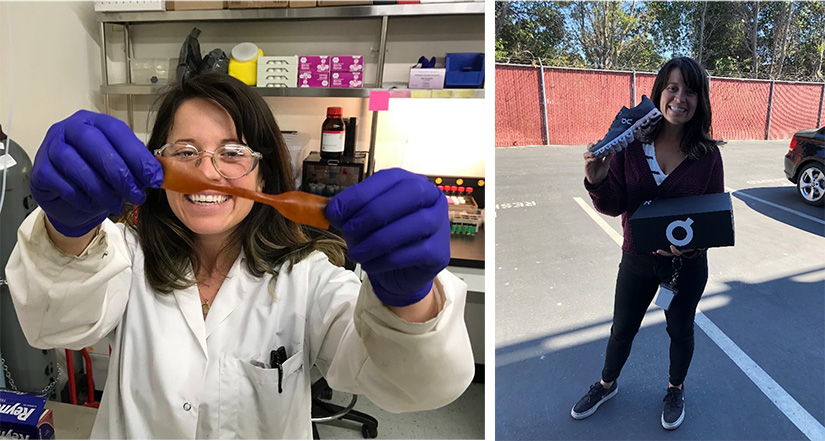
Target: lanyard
column 677, row 265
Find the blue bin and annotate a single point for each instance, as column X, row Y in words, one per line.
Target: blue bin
column 464, row 70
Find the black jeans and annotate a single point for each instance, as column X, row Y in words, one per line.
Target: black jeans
column 636, row 285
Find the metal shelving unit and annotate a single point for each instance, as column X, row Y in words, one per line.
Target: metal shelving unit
column 309, row 92
column 382, row 12
column 294, row 13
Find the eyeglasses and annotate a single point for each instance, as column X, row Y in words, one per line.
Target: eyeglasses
column 232, row 161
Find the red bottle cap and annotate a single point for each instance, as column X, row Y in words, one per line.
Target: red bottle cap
column 461, row 189
column 441, row 187
column 454, row 188
column 335, row 112
column 469, row 190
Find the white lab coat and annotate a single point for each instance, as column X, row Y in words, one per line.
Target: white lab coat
column 174, row 375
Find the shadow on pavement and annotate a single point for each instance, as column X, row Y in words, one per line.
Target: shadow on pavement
column 787, row 197
column 536, row 386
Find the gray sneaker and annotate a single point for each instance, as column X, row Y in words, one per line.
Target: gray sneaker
column 629, row 124
column 594, row 398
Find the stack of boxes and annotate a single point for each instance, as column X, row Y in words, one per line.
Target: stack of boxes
column 313, row 71
column 278, row 71
column 342, row 71
column 347, row 71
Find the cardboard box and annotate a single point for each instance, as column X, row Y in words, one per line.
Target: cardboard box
column 348, row 80
column 303, row 4
column 123, row 6
column 277, row 80
column 702, row 221
column 194, row 6
column 343, row 3
column 347, row 63
column 23, row 415
column 256, row 5
column 313, row 63
column 313, row 79
column 427, row 78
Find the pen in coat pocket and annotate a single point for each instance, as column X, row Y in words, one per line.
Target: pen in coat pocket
column 276, row 360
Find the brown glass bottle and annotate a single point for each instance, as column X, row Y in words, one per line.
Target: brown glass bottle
column 333, row 134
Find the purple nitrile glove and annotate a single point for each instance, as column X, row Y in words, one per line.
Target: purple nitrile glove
column 87, row 166
column 396, row 226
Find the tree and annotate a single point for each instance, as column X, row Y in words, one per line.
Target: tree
column 611, row 35
column 525, row 28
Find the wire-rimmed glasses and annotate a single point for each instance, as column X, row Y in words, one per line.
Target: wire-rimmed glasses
column 232, row 161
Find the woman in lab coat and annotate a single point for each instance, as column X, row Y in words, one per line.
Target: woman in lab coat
column 216, row 307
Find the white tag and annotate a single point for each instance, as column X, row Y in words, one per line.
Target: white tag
column 665, row 295
column 6, row 161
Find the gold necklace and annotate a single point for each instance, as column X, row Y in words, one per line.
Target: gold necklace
column 205, row 306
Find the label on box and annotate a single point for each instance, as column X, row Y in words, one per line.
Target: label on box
column 347, row 63
column 313, row 63
column 701, row 221
column 347, row 80
column 23, row 416
column 427, row 78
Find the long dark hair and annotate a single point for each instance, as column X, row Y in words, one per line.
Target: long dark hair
column 697, row 137
column 266, row 238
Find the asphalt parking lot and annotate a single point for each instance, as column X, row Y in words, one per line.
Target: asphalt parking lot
column 758, row 371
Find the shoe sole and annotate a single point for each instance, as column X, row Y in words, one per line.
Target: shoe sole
column 592, row 410
column 621, row 141
column 675, row 424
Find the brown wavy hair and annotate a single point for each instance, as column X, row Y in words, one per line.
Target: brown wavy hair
column 697, row 139
column 266, row 238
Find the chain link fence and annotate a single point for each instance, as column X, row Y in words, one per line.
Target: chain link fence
column 538, row 105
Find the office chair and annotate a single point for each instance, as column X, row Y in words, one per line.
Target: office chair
column 323, row 411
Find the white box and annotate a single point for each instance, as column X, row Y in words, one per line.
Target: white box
column 264, row 70
column 131, row 5
column 288, row 62
column 277, row 80
column 427, row 78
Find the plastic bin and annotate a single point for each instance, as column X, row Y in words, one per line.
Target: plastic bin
column 464, row 70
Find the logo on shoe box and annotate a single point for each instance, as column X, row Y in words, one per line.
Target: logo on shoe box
column 685, row 225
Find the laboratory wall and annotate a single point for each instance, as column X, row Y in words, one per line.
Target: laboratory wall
column 49, row 66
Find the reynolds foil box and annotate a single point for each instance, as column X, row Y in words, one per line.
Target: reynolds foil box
column 23, row 416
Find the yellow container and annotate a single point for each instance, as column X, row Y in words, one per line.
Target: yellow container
column 243, row 63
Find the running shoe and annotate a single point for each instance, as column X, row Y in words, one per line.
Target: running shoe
column 629, row 124
column 673, row 412
column 594, row 398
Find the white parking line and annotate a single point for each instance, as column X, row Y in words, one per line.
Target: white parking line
column 780, row 398
column 783, row 208
column 595, row 216
column 797, row 414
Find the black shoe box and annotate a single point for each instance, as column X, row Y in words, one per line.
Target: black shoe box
column 702, row 221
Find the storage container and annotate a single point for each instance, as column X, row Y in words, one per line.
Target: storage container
column 464, row 70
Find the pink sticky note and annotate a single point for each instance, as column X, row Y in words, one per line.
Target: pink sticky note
column 379, row 100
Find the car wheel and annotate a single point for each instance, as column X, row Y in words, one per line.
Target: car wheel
column 811, row 184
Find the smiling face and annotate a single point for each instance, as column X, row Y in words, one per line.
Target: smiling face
column 678, row 103
column 210, row 215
